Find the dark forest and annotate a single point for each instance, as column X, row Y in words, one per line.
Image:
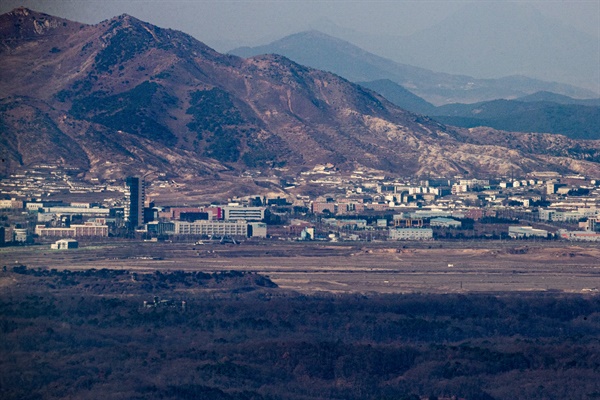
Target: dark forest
column 192, row 335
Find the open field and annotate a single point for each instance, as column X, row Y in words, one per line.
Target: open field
column 433, row 267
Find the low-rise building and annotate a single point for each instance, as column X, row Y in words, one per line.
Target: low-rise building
column 235, row 213
column 20, row 235
column 257, row 229
column 411, row 234
column 8, row 234
column 64, row 244
column 458, row 188
column 586, row 236
column 350, row 207
column 563, row 190
column 33, row 206
column 211, row 228
column 407, row 220
column 68, row 210
column 517, row 232
column 553, row 186
column 474, row 183
column 160, row 227
column 176, row 212
column 445, row 222
column 346, row 223
column 308, row 233
column 10, row 204
column 89, row 229
column 41, row 230
column 588, row 225
column 320, row 207
column 567, row 216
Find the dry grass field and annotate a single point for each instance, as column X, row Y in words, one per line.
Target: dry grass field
column 433, row 267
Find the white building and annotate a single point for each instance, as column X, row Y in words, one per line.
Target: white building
column 429, row 213
column 20, row 235
column 89, row 229
column 234, row 213
column 458, row 188
column 516, row 232
column 64, row 244
column 346, row 223
column 33, row 206
column 7, row 204
column 211, row 228
column 69, row 210
column 474, row 183
column 308, row 233
column 411, row 234
column 546, row 215
column 568, row 216
column 445, row 222
column 382, row 223
column 257, row 229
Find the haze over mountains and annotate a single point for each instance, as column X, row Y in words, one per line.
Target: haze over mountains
column 124, row 96
column 495, row 31
column 572, row 120
column 551, row 113
column 541, row 112
column 322, row 51
column 491, row 39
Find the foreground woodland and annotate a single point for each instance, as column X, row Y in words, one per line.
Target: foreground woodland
column 232, row 335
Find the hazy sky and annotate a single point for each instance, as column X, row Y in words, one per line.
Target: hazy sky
column 225, row 24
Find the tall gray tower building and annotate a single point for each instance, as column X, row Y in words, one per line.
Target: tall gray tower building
column 134, row 201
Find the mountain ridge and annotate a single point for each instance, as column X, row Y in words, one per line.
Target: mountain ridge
column 322, row 51
column 541, row 112
column 558, row 98
column 126, row 97
column 573, row 120
column 400, row 96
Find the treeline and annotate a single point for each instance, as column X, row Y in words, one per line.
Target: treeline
column 122, row 281
column 271, row 344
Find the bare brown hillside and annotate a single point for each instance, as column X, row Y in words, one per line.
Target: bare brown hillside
column 124, row 96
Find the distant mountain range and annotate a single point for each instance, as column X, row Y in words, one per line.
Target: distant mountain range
column 491, row 39
column 318, row 50
column 541, row 112
column 559, row 99
column 126, row 97
column 411, row 88
column 401, row 97
column 573, row 120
